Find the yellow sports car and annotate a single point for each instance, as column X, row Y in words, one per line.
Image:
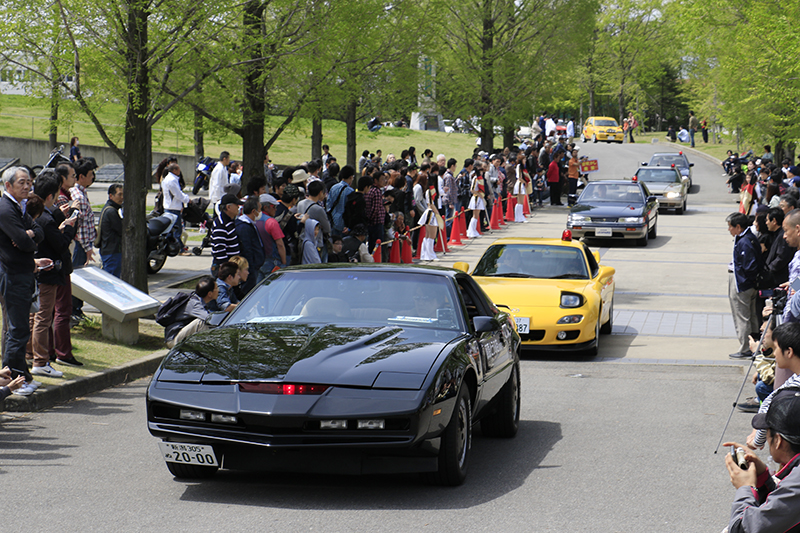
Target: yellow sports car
column 560, row 296
column 602, row 129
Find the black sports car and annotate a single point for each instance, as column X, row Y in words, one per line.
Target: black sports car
column 618, row 209
column 341, row 369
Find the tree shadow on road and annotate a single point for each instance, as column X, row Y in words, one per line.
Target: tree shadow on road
column 497, row 467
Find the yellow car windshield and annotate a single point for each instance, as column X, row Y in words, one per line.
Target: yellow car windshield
column 532, row 261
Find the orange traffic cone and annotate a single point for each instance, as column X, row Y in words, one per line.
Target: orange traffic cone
column 408, row 253
column 510, row 207
column 394, row 253
column 455, row 233
column 526, row 208
column 493, row 223
column 462, row 224
column 376, row 254
column 499, row 207
column 419, row 244
column 441, row 241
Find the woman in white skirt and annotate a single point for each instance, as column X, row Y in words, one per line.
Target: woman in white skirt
column 477, row 203
column 521, row 188
column 427, row 201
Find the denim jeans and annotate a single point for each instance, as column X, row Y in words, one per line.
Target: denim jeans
column 17, row 291
column 112, row 263
column 78, row 261
column 763, row 390
column 448, row 213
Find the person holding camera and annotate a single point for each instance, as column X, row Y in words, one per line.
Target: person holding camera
column 763, row 501
column 58, row 234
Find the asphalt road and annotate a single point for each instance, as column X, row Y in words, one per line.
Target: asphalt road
column 616, row 445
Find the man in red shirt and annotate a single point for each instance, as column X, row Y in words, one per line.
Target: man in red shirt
column 271, row 237
column 554, row 181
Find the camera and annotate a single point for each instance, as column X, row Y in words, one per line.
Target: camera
column 738, row 457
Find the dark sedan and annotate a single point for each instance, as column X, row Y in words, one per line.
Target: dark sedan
column 341, row 369
column 618, row 209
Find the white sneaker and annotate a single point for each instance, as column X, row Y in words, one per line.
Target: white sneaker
column 23, row 391
column 33, row 384
column 46, row 370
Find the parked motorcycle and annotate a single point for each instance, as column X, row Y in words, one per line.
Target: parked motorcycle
column 161, row 243
column 201, row 180
column 56, row 156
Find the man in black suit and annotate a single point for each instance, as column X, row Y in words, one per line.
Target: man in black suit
column 19, row 236
column 780, row 253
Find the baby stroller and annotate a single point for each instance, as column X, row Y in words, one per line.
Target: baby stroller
column 195, row 215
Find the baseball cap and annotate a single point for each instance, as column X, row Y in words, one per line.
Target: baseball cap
column 794, row 170
column 231, row 188
column 292, row 190
column 783, row 415
column 230, row 199
column 268, row 199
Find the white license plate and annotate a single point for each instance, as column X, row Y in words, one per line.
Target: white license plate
column 523, row 324
column 190, row 454
column 603, row 232
column 611, row 137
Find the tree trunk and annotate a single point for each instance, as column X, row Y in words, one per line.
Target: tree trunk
column 508, row 136
column 254, row 96
column 621, row 103
column 487, row 78
column 54, row 99
column 591, row 103
column 137, row 160
column 199, row 141
column 350, row 126
column 316, row 138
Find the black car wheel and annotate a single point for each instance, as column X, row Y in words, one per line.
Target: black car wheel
column 504, row 421
column 456, row 442
column 594, row 138
column 155, row 263
column 682, row 208
column 654, row 231
column 185, row 471
column 643, row 240
column 606, row 328
column 596, row 348
column 583, row 138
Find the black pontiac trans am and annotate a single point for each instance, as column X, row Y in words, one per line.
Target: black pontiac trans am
column 341, row 369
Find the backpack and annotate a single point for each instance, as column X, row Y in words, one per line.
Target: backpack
column 168, row 312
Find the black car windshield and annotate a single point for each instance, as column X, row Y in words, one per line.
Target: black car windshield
column 352, row 296
column 658, row 175
column 532, row 261
column 669, row 160
column 612, row 192
column 606, row 122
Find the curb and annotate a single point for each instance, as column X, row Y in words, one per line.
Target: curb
column 53, row 395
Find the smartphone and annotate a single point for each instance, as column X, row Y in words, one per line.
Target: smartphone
column 795, row 285
column 738, row 457
column 74, row 214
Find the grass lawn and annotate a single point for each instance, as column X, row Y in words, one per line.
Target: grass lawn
column 26, row 117
column 98, row 353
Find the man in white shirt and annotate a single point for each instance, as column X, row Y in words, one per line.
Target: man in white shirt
column 219, row 178
column 550, row 127
column 570, row 130
column 174, row 197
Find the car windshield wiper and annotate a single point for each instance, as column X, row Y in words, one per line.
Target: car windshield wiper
column 511, row 275
column 569, row 276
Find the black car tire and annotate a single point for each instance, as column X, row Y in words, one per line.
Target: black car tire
column 594, row 138
column 654, row 232
column 682, row 208
column 606, row 328
column 456, row 442
column 583, row 138
column 155, row 263
column 504, row 421
column 593, row 351
column 643, row 240
column 185, row 471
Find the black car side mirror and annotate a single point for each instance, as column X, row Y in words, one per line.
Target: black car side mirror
column 485, row 324
column 215, row 319
column 651, row 199
column 691, row 164
column 644, row 163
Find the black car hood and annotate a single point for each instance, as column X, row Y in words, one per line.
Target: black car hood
column 308, row 353
column 608, row 209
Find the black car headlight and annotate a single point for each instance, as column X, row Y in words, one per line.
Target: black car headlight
column 570, row 300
